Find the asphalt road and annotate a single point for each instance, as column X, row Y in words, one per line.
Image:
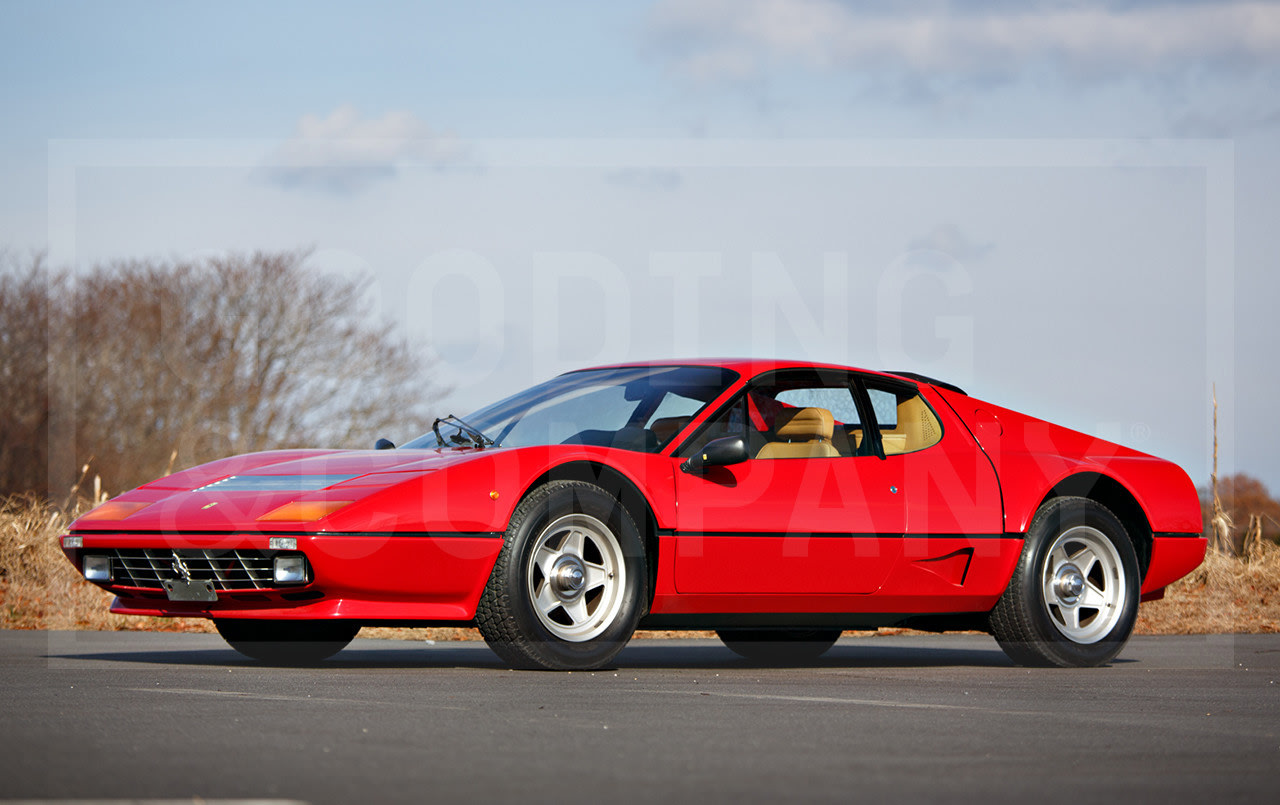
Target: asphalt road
column 88, row 715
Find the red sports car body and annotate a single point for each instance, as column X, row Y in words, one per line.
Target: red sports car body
column 777, row 502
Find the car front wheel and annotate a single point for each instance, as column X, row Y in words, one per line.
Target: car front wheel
column 1073, row 598
column 570, row 583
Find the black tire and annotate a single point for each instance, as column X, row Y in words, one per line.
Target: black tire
column 779, row 646
column 287, row 642
column 530, row 613
column 1073, row 598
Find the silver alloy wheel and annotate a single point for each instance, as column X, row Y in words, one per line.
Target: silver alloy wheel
column 1084, row 585
column 576, row 577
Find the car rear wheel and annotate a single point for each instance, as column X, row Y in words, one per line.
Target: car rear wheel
column 287, row 642
column 1073, row 598
column 570, row 583
column 779, row 646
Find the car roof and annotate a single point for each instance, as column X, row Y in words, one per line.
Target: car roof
column 749, row 367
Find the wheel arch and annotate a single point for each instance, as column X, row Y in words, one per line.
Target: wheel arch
column 1109, row 492
column 627, row 492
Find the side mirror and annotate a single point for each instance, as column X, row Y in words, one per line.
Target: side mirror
column 718, row 453
column 384, row 444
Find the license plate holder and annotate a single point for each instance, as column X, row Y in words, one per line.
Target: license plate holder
column 190, row 590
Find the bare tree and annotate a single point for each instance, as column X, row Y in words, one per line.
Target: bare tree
column 26, row 288
column 1220, row 523
column 214, row 357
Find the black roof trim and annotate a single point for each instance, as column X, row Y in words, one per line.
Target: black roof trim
column 919, row 378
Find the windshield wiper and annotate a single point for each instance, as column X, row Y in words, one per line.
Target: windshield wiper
column 474, row 436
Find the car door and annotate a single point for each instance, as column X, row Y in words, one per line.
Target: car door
column 954, row 541
column 798, row 517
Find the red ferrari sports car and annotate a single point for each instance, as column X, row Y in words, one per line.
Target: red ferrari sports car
column 776, row 502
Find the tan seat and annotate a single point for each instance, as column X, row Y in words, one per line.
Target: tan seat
column 802, row 433
column 917, row 428
column 893, row 442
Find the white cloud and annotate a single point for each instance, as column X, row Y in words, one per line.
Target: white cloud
column 346, row 153
column 734, row 39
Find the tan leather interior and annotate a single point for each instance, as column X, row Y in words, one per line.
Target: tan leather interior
column 802, row 433
column 804, row 424
column 917, row 428
column 893, row 443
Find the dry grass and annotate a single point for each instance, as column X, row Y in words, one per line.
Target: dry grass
column 1224, row 595
column 39, row 589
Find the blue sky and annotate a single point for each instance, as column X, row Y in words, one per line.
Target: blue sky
column 1069, row 208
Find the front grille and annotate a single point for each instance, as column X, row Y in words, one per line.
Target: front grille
column 228, row 570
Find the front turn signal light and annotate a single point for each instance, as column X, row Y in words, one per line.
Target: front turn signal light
column 115, row 510
column 304, row 511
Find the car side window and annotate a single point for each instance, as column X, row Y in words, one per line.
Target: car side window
column 731, row 421
column 885, row 405
column 791, row 414
column 904, row 419
column 839, row 401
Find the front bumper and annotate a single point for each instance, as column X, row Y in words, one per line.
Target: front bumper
column 366, row 577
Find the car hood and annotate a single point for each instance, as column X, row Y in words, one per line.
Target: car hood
column 337, row 464
column 234, row 493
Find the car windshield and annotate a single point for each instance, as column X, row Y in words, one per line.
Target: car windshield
column 632, row 408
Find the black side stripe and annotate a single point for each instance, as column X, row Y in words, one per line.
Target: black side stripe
column 94, row 532
column 668, row 532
